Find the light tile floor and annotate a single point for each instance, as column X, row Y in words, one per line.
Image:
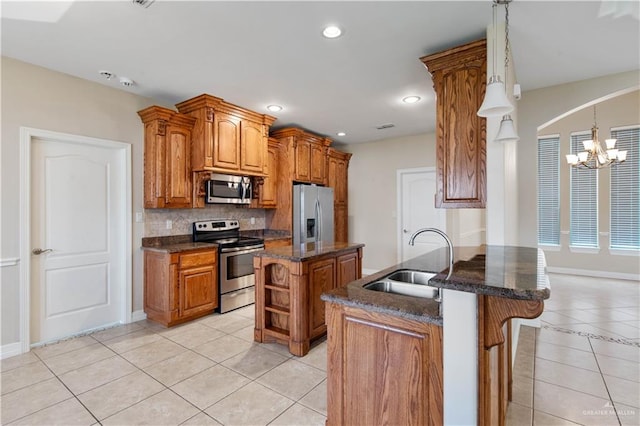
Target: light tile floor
column 581, row 367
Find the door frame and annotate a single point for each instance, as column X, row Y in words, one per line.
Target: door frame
column 27, row 136
column 399, row 211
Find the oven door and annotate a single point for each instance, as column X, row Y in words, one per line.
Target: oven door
column 236, row 268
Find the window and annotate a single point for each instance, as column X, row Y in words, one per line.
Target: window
column 625, row 191
column 548, row 190
column 584, row 199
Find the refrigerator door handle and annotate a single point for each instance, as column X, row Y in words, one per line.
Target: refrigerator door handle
column 318, row 220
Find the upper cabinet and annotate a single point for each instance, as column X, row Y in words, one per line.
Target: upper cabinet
column 309, row 154
column 337, row 178
column 167, row 158
column 266, row 189
column 227, row 138
column 459, row 80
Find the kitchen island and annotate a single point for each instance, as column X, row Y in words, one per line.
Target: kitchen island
column 409, row 360
column 289, row 282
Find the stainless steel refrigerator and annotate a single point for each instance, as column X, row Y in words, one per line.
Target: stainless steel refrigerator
column 312, row 214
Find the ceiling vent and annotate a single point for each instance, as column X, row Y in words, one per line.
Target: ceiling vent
column 385, row 126
column 143, row 3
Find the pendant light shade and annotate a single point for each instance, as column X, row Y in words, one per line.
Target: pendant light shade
column 507, row 132
column 495, row 101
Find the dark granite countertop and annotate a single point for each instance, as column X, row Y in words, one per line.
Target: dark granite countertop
column 174, row 244
column 503, row 271
column 307, row 251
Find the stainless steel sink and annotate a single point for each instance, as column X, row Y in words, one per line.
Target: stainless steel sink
column 407, row 283
column 411, row 277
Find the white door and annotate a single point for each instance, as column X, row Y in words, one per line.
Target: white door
column 416, row 190
column 78, row 214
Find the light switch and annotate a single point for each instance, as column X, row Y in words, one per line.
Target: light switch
column 139, row 217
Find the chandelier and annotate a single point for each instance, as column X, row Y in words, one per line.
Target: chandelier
column 595, row 156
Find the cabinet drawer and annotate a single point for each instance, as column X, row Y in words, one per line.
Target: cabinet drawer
column 197, row 259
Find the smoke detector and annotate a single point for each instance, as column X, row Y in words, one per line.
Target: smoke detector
column 143, row 3
column 106, row 74
column 126, row 82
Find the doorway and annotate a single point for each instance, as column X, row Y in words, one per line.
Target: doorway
column 75, row 235
column 416, row 210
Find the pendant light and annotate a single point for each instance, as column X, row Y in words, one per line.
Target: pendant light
column 507, row 131
column 495, row 101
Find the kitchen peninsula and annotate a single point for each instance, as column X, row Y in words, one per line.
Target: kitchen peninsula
column 289, row 282
column 409, row 360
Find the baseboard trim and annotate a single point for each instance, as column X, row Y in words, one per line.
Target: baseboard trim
column 10, row 349
column 138, row 316
column 597, row 274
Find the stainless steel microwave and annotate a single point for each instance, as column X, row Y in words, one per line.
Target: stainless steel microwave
column 228, row 189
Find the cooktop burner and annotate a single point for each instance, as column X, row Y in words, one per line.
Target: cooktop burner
column 225, row 232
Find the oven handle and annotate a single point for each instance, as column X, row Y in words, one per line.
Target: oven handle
column 237, row 250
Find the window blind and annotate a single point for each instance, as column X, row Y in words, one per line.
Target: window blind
column 548, row 190
column 625, row 191
column 584, row 199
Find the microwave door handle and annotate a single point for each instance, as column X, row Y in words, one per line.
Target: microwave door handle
column 244, row 190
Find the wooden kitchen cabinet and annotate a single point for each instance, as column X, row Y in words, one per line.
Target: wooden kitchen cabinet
column 179, row 287
column 289, row 309
column 226, row 137
column 309, row 154
column 337, row 178
column 382, row 369
column 459, row 80
column 167, row 158
column 322, row 278
column 301, row 155
column 266, row 188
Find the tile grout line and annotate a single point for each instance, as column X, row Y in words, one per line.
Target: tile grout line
column 613, row 404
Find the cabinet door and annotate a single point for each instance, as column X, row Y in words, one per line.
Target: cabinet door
column 268, row 191
column 340, row 219
column 402, row 363
column 226, row 141
column 253, row 147
column 178, row 169
column 321, row 279
column 348, row 269
column 317, row 164
column 303, row 161
column 198, row 290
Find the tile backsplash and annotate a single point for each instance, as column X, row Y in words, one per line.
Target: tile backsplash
column 155, row 220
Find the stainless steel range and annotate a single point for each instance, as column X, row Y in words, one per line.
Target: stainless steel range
column 235, row 260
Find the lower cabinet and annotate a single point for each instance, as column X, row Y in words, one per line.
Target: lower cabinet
column 179, row 287
column 288, row 305
column 382, row 369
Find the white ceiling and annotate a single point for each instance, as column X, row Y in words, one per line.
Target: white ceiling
column 257, row 53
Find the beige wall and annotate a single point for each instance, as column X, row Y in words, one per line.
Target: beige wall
column 373, row 197
column 620, row 111
column 39, row 98
column 540, row 107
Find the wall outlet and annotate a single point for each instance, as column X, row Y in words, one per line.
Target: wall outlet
column 253, row 220
column 169, row 224
column 139, row 217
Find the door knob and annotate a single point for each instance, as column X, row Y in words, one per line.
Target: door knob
column 39, row 251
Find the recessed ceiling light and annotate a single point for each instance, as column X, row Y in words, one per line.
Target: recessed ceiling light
column 332, row 31
column 341, row 134
column 411, row 99
column 274, row 108
column 126, row 82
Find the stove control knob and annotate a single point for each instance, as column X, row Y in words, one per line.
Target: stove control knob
column 204, row 226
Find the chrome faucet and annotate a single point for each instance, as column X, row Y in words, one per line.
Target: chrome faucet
column 445, row 236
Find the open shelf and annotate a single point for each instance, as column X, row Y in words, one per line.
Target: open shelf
column 277, row 309
column 278, row 333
